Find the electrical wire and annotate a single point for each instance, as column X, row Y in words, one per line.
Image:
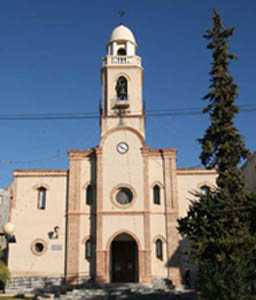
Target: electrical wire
column 173, row 112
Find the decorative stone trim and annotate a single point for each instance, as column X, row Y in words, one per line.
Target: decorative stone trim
column 114, row 192
column 122, row 74
column 128, row 66
column 160, row 184
column 123, row 231
column 130, row 212
column 33, row 247
column 41, row 185
column 159, row 237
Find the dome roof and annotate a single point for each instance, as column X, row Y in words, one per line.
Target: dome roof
column 122, row 33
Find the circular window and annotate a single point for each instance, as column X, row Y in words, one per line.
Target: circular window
column 124, row 196
column 39, row 247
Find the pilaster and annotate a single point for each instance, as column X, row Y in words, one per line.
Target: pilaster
column 73, row 221
column 101, row 255
column 171, row 207
column 146, row 255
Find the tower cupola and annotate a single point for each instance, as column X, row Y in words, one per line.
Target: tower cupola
column 122, row 42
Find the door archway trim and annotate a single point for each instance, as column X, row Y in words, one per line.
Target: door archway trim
column 112, row 238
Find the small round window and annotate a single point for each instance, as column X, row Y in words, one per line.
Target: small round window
column 38, row 247
column 124, row 196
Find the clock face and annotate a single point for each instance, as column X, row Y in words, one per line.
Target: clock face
column 122, row 147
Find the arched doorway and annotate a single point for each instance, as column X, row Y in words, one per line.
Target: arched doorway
column 124, row 259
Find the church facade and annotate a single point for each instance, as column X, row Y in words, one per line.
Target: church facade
column 112, row 216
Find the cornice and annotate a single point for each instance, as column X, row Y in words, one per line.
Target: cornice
column 122, row 66
column 39, row 173
column 170, row 152
column 74, row 154
column 194, row 171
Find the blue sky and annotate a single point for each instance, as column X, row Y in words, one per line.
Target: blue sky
column 50, row 58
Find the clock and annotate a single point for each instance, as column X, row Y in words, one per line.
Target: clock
column 122, row 147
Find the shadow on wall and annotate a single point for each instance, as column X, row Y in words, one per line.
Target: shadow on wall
column 179, row 260
column 93, row 225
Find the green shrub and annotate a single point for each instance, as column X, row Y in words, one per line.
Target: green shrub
column 4, row 272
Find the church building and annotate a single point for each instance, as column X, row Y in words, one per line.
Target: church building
column 112, row 215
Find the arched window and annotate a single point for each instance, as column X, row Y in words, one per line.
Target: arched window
column 156, row 194
column 41, row 201
column 89, row 195
column 88, row 249
column 121, row 51
column 205, row 189
column 121, row 88
column 159, row 248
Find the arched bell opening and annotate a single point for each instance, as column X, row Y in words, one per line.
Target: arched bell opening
column 122, row 88
column 124, row 265
column 121, row 52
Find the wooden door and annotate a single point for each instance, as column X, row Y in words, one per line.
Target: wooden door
column 124, row 261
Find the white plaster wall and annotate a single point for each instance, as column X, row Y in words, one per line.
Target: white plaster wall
column 158, row 229
column 84, row 264
column 85, row 218
column 86, row 179
column 112, row 224
column 32, row 223
column 134, row 122
column 134, row 75
column 191, row 182
column 156, row 177
column 126, row 169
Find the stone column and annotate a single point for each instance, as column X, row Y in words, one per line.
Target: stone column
column 171, row 212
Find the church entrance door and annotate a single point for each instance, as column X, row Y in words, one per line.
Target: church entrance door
column 124, row 259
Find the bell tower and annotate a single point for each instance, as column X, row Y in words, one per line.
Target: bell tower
column 122, row 83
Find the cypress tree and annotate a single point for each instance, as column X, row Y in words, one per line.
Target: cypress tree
column 220, row 225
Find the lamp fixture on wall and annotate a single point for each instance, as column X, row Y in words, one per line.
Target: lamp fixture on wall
column 9, row 233
column 54, row 235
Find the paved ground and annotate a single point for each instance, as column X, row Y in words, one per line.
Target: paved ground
column 130, row 292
